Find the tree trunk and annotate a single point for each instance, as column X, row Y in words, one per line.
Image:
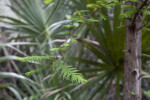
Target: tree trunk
column 132, row 60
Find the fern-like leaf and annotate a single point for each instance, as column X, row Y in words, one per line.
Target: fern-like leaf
column 68, row 72
column 35, row 58
column 35, row 71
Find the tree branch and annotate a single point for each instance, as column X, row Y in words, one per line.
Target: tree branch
column 136, row 14
column 71, row 34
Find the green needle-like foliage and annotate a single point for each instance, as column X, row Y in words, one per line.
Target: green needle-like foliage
column 35, row 71
column 35, row 58
column 68, row 72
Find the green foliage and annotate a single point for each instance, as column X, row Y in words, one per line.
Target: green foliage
column 35, row 58
column 106, row 3
column 75, row 24
column 92, row 20
column 132, row 93
column 146, row 55
column 146, row 29
column 128, row 14
column 102, row 16
column 68, row 72
column 128, row 6
column 146, row 11
column 131, row 10
column 61, row 48
column 94, row 6
column 54, row 49
column 81, row 21
column 80, row 16
column 33, row 97
column 64, row 48
column 36, row 71
column 109, row 54
column 73, row 40
column 108, row 50
column 33, row 19
column 66, row 44
column 47, row 1
column 124, row 51
column 81, row 11
column 147, row 93
column 74, row 18
column 68, row 26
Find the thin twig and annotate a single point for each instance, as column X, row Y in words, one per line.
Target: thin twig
column 71, row 34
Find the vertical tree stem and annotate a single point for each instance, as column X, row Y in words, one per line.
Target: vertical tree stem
column 132, row 60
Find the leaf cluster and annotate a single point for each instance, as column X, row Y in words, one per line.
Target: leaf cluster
column 35, row 58
column 66, row 71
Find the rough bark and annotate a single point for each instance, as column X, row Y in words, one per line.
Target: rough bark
column 132, row 60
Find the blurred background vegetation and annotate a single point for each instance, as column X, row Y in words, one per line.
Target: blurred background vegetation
column 30, row 27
